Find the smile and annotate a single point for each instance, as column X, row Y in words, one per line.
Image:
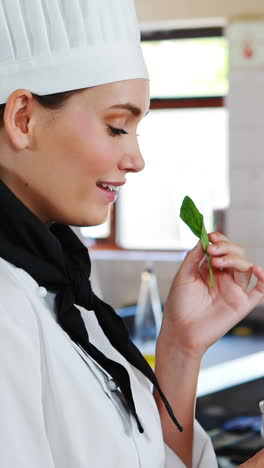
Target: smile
column 111, row 188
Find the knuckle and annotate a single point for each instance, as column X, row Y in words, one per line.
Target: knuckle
column 224, row 244
column 229, row 260
column 241, row 248
column 238, row 249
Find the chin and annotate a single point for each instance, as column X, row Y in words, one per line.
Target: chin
column 85, row 221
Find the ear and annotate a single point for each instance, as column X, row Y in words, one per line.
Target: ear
column 17, row 118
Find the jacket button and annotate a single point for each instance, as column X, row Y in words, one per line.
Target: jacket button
column 112, row 385
column 42, row 292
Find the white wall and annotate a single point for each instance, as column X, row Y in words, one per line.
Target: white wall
column 246, row 124
column 117, row 279
column 155, row 10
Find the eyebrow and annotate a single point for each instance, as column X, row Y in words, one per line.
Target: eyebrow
column 136, row 111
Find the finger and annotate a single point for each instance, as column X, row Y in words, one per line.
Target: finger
column 225, row 247
column 189, row 268
column 240, row 267
column 235, row 262
column 242, row 279
column 256, row 295
column 204, row 269
column 216, row 237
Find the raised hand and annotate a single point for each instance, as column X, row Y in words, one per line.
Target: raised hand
column 195, row 315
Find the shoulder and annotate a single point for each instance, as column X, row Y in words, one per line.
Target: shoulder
column 14, row 282
column 16, row 310
column 11, row 287
column 7, row 276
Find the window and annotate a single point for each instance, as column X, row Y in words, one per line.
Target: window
column 189, row 67
column 183, row 149
column 183, row 141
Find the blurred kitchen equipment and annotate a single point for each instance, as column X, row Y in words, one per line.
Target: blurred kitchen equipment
column 148, row 313
column 261, row 407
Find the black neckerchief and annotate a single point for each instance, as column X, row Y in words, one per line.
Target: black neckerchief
column 57, row 260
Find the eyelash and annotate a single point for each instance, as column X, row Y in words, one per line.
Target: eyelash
column 116, row 131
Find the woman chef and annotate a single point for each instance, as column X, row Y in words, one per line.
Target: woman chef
column 75, row 392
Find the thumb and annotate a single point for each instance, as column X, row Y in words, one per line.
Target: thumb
column 189, row 267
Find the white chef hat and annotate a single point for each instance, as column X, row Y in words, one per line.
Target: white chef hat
column 51, row 46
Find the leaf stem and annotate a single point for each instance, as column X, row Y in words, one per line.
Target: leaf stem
column 211, row 273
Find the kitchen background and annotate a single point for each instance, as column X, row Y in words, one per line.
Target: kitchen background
column 117, row 273
column 216, row 155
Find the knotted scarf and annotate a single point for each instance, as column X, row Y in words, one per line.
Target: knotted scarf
column 56, row 258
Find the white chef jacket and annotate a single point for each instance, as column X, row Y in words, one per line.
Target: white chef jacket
column 57, row 407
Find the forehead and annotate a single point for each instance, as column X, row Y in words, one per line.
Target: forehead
column 128, row 94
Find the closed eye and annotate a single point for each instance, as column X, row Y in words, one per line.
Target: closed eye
column 116, row 131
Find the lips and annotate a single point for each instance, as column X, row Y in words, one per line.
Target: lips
column 110, row 186
column 107, row 182
column 110, row 189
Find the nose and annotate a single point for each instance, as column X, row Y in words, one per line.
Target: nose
column 132, row 159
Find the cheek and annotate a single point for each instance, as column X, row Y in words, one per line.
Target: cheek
column 82, row 126
column 88, row 143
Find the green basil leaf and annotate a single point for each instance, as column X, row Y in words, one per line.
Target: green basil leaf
column 190, row 214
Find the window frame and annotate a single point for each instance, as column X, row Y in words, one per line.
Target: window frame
column 110, row 243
